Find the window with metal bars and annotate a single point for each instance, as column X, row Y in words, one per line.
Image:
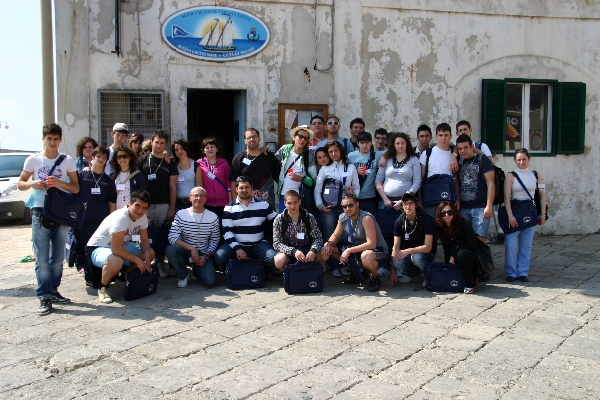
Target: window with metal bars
column 142, row 111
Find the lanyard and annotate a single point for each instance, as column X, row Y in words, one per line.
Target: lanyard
column 400, row 164
column 150, row 168
column 414, row 226
column 198, row 226
column 210, row 165
column 94, row 178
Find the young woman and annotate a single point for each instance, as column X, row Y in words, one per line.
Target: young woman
column 84, row 149
column 322, row 158
column 459, row 241
column 293, row 171
column 188, row 178
column 135, row 143
column 401, row 173
column 338, row 168
column 126, row 175
column 517, row 245
column 215, row 176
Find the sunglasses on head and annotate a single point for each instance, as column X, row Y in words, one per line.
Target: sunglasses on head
column 242, row 179
column 447, row 212
column 333, row 122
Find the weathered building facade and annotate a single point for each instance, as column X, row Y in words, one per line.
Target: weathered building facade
column 524, row 73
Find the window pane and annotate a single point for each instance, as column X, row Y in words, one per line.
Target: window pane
column 514, row 107
column 538, row 118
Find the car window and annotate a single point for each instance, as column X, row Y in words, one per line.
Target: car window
column 12, row 166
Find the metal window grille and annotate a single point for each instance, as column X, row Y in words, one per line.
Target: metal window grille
column 142, row 111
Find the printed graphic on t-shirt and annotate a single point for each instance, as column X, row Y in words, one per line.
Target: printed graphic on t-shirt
column 469, row 177
column 42, row 172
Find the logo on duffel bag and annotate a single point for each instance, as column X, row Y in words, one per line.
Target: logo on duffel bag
column 150, row 288
column 454, row 282
column 444, row 195
column 526, row 219
column 254, row 279
column 73, row 215
column 313, row 284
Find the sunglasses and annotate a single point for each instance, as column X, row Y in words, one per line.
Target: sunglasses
column 242, row 179
column 301, row 137
column 344, row 206
column 137, row 135
column 147, row 151
column 333, row 122
column 447, row 212
column 122, row 156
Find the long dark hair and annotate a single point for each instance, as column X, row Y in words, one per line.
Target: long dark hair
column 115, row 165
column 444, row 231
column 184, row 145
column 391, row 150
column 343, row 155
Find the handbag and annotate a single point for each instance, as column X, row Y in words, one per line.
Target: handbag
column 438, row 188
column 443, row 277
column 333, row 190
column 64, row 208
column 386, row 219
column 138, row 284
column 302, row 278
column 524, row 212
column 355, row 267
column 485, row 262
column 537, row 199
column 70, row 251
column 245, row 274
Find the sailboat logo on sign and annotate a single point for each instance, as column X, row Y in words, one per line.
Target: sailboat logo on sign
column 215, row 33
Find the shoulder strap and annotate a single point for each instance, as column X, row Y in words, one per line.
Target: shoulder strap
column 305, row 160
column 371, row 157
column 523, row 185
column 478, row 145
column 131, row 175
column 344, row 177
column 351, row 231
column 58, row 161
column 195, row 166
column 428, row 154
column 480, row 163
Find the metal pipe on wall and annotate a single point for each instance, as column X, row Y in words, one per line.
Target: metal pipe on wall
column 48, row 113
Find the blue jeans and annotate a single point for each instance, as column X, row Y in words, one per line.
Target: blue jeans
column 179, row 258
column 329, row 222
column 48, row 249
column 517, row 263
column 478, row 222
column 414, row 265
column 263, row 251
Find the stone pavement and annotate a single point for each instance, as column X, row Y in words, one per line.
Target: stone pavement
column 539, row 340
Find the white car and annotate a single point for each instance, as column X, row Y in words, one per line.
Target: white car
column 12, row 200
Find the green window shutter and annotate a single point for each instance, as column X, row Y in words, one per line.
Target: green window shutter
column 493, row 115
column 570, row 118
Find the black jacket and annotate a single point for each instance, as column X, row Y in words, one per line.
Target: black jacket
column 465, row 239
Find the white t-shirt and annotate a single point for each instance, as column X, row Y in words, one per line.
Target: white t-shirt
column 118, row 221
column 485, row 149
column 439, row 161
column 39, row 166
column 288, row 183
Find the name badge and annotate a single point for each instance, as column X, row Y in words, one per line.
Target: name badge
column 345, row 174
column 247, row 161
column 368, row 172
column 95, row 190
column 211, row 176
column 191, row 261
column 181, row 179
column 152, row 177
column 297, row 170
column 135, row 238
column 67, row 246
column 312, row 148
column 326, row 191
column 120, row 186
column 406, row 236
column 397, row 171
column 300, row 235
column 541, row 186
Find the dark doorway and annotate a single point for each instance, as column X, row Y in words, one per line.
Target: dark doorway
column 213, row 113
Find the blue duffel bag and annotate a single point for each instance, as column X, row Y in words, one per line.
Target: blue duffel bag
column 245, row 274
column 301, row 278
column 140, row 284
column 442, row 277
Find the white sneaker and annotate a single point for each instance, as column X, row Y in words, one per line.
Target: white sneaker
column 162, row 270
column 383, row 272
column 183, row 282
column 103, row 295
column 345, row 271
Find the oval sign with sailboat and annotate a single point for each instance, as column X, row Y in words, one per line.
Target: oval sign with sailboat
column 215, row 33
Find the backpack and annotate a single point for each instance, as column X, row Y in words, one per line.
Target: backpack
column 303, row 217
column 498, row 180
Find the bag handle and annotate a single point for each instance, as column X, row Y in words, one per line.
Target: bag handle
column 134, row 173
column 521, row 182
column 351, row 232
column 60, row 159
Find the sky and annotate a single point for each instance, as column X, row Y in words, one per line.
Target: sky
column 20, row 75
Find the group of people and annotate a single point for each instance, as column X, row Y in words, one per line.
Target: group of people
column 321, row 198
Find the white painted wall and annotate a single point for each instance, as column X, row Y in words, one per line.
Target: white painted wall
column 397, row 64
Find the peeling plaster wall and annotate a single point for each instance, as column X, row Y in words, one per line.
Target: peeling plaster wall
column 397, row 64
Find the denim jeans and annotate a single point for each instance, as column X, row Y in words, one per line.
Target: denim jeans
column 516, row 263
column 480, row 224
column 414, row 265
column 330, row 221
column 263, row 251
column 48, row 249
column 179, row 258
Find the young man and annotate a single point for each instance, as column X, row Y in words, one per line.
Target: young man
column 296, row 236
column 114, row 246
column 262, row 169
column 357, row 125
column 317, row 126
column 194, row 236
column 464, row 128
column 161, row 182
column 424, row 138
column 333, row 130
column 243, row 229
column 381, row 139
column 101, row 196
column 369, row 242
column 48, row 244
column 476, row 187
column 364, row 160
column 439, row 163
column 119, row 134
column 414, row 246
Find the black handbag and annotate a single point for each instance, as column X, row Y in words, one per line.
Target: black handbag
column 524, row 212
column 71, row 246
column 355, row 266
column 64, row 208
column 333, row 190
column 485, row 262
column 442, row 277
column 438, row 188
column 301, row 278
column 140, row 284
column 245, row 274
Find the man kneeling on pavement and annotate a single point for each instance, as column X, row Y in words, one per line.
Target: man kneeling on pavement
column 194, row 237
column 362, row 229
column 121, row 243
column 414, row 244
column 296, row 236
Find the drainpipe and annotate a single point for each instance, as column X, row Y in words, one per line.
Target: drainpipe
column 47, row 62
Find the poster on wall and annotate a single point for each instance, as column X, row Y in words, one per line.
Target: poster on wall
column 215, row 33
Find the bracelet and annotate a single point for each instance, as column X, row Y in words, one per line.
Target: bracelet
column 455, row 155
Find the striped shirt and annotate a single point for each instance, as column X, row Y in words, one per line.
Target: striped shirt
column 199, row 230
column 242, row 226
